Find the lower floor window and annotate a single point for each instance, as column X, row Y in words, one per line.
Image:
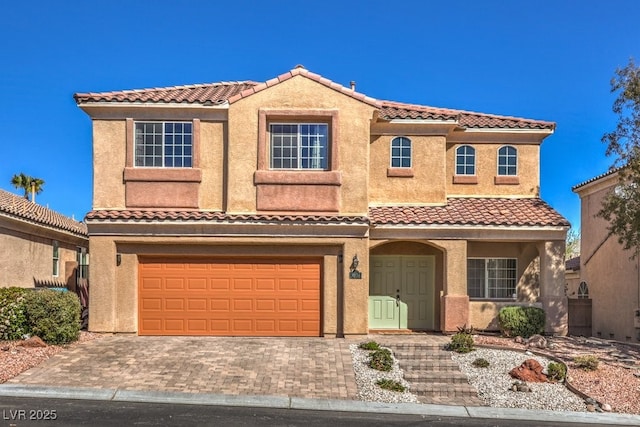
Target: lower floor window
column 491, row 277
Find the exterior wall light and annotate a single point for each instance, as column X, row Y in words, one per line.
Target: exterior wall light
column 353, row 268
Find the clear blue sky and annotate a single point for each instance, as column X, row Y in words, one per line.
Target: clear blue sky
column 543, row 59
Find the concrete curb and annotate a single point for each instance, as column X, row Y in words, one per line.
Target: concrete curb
column 282, row 402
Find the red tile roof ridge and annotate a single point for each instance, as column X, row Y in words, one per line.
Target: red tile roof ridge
column 611, row 171
column 301, row 71
column 25, row 210
column 454, row 111
column 160, row 88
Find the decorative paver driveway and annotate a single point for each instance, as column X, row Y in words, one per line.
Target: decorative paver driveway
column 297, row 367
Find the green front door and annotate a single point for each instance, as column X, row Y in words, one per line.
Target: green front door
column 401, row 292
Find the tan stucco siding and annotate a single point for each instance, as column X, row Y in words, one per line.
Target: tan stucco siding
column 610, row 273
column 299, row 93
column 427, row 181
column 528, row 171
column 27, row 255
column 212, row 158
column 109, row 157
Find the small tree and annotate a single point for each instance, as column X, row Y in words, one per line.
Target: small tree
column 573, row 244
column 621, row 207
column 28, row 184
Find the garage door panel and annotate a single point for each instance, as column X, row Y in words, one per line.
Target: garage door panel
column 270, row 297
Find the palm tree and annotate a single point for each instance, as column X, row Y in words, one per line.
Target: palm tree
column 29, row 184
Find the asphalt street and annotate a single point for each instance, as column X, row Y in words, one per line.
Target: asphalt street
column 41, row 412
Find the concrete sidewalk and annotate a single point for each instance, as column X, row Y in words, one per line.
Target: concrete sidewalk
column 282, row 402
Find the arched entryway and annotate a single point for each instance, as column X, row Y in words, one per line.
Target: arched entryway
column 405, row 279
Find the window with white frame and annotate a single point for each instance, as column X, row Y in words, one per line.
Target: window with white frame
column 465, row 160
column 507, row 161
column 583, row 290
column 56, row 259
column 299, row 145
column 491, row 277
column 401, row 152
column 82, row 257
column 164, row 144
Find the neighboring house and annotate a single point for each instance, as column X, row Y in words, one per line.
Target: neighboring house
column 302, row 207
column 608, row 275
column 573, row 289
column 40, row 247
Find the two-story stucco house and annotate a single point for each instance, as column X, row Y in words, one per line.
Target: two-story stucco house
column 301, row 207
column 608, row 274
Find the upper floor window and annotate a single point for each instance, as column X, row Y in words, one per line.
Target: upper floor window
column 164, row 144
column 56, row 258
column 299, row 145
column 491, row 277
column 401, row 152
column 465, row 160
column 507, row 161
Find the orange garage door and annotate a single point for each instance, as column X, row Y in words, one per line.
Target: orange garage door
column 264, row 297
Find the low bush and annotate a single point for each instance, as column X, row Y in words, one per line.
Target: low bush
column 462, row 341
column 521, row 321
column 381, row 360
column 556, row 371
column 53, row 316
column 370, row 345
column 13, row 323
column 480, row 363
column 391, row 385
column 587, row 363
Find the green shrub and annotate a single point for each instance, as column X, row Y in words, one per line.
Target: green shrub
column 521, row 321
column 391, row 385
column 371, row 345
column 53, row 316
column 587, row 363
column 381, row 360
column 480, row 363
column 13, row 323
column 556, row 371
column 462, row 341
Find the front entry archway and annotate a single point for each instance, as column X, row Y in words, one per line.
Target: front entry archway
column 401, row 292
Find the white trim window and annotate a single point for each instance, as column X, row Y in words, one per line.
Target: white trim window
column 492, row 278
column 163, row 144
column 56, row 258
column 299, row 145
column 507, row 161
column 401, row 152
column 465, row 160
column 82, row 258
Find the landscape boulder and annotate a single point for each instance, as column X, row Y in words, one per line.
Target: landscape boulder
column 529, row 371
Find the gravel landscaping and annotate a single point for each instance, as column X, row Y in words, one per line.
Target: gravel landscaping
column 494, row 382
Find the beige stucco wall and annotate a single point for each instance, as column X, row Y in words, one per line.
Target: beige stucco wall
column 299, row 93
column 109, row 156
column 110, row 152
column 426, row 186
column 114, row 289
column 27, row 254
column 487, row 170
column 612, row 277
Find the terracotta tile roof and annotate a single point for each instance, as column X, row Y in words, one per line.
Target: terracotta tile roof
column 219, row 93
column 300, row 70
column 572, row 264
column 205, row 94
column 467, row 119
column 18, row 207
column 471, row 211
column 150, row 215
column 595, row 178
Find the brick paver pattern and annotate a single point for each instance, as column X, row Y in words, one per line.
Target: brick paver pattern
column 300, row 367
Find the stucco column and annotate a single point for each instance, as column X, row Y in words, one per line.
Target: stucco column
column 102, row 285
column 552, row 297
column 454, row 308
column 330, row 295
column 355, row 292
